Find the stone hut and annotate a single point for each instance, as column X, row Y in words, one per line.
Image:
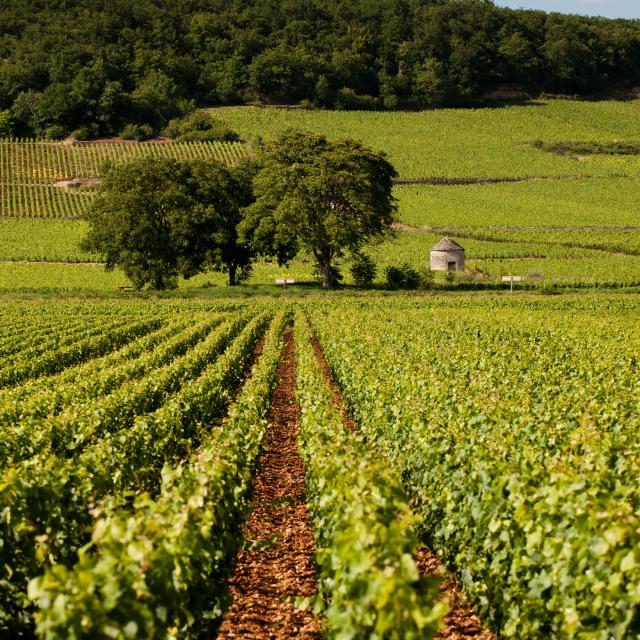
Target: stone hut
column 447, row 255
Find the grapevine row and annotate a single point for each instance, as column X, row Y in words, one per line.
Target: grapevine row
column 160, row 568
column 518, row 447
column 363, row 522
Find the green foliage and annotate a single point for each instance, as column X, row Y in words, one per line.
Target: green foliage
column 117, row 66
column 85, row 132
column 329, row 197
column 139, row 132
column 54, row 132
column 402, row 277
column 6, row 124
column 427, row 278
column 199, row 126
column 518, row 446
column 158, row 219
column 363, row 270
column 116, row 447
column 363, row 523
column 144, row 575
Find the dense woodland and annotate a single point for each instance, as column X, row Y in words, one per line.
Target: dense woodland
column 98, row 65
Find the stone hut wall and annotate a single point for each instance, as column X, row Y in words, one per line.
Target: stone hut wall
column 440, row 260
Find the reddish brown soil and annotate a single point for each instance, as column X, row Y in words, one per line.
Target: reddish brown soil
column 158, row 140
column 277, row 566
column 461, row 623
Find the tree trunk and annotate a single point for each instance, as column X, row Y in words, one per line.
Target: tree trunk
column 326, row 275
column 232, row 275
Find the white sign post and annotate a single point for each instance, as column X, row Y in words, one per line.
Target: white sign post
column 285, row 281
column 512, row 279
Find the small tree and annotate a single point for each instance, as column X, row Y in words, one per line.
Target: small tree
column 158, row 219
column 328, row 197
column 402, row 277
column 6, row 124
column 363, row 270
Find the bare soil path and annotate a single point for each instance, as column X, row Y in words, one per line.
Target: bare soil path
column 461, row 623
column 277, row 564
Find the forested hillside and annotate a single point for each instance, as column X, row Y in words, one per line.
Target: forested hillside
column 100, row 64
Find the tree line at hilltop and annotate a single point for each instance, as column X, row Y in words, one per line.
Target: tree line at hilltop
column 97, row 66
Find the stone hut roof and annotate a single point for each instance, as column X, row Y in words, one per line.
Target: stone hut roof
column 447, row 244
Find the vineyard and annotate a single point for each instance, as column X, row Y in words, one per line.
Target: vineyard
column 469, row 143
column 480, row 429
column 54, row 180
column 565, row 221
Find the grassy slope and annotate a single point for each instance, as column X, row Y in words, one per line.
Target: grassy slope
column 444, row 143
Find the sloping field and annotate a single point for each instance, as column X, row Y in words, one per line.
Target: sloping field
column 55, row 180
column 570, row 220
column 468, row 143
column 556, row 194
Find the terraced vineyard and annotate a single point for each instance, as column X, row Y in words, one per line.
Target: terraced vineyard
column 54, row 180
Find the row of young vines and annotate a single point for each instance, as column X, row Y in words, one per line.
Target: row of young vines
column 483, row 427
column 97, row 410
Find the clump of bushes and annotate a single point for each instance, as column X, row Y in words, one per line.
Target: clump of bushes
column 363, row 270
column 402, row 277
column 6, row 124
column 137, row 132
column 199, row 126
column 54, row 132
column 86, row 132
column 348, row 100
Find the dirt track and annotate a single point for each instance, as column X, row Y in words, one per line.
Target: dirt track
column 277, row 566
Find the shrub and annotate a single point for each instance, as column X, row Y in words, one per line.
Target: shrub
column 199, row 126
column 426, row 278
column 137, row 132
column 363, row 270
column 402, row 277
column 54, row 132
column 85, row 132
column 348, row 99
column 6, row 124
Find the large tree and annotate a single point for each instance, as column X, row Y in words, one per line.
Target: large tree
column 327, row 197
column 158, row 219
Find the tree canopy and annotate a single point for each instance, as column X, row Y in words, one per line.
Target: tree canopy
column 99, row 65
column 160, row 219
column 326, row 197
